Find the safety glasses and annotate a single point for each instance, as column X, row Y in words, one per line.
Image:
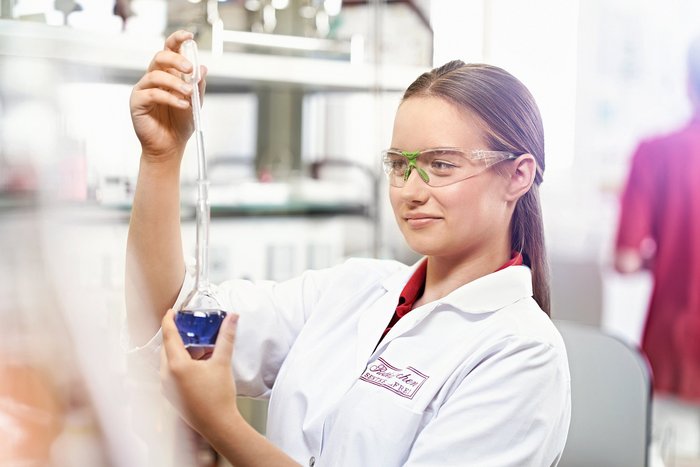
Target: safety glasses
column 439, row 166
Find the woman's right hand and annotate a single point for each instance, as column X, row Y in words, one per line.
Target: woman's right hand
column 160, row 102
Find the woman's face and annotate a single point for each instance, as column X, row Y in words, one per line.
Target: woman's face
column 461, row 220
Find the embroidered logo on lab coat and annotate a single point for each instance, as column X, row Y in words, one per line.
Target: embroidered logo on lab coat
column 404, row 382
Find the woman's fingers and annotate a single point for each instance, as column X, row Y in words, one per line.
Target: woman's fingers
column 168, row 387
column 164, row 80
column 169, row 60
column 223, row 350
column 175, row 40
column 175, row 350
column 166, row 73
column 160, row 87
column 144, row 99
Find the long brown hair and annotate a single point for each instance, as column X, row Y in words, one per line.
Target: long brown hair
column 512, row 123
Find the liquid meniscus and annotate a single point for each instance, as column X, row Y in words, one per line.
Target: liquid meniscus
column 199, row 327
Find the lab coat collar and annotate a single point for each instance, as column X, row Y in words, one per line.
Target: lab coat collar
column 492, row 291
column 483, row 295
column 401, row 277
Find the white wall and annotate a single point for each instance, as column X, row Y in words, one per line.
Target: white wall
column 605, row 73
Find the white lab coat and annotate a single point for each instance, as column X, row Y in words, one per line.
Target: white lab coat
column 478, row 378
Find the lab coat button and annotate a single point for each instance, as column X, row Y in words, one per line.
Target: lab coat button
column 312, row 461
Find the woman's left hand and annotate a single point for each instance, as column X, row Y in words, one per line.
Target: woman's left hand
column 203, row 391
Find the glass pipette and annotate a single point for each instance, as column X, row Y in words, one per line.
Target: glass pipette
column 200, row 315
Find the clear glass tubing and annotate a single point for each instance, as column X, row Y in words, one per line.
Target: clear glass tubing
column 200, row 315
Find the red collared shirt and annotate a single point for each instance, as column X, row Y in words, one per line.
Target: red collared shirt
column 661, row 202
column 415, row 287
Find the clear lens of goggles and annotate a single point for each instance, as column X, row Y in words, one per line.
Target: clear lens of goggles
column 440, row 166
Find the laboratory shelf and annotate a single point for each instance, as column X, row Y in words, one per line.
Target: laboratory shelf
column 291, row 209
column 92, row 212
column 10, row 202
column 91, row 55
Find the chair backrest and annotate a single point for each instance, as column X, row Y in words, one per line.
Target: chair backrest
column 610, row 400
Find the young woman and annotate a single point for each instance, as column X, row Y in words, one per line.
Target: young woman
column 451, row 361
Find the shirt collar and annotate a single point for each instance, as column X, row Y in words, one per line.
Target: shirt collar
column 515, row 260
column 483, row 295
column 412, row 290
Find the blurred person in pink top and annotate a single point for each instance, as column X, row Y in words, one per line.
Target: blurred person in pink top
column 659, row 230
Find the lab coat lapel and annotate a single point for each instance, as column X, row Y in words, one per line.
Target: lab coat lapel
column 373, row 320
column 408, row 322
column 371, row 326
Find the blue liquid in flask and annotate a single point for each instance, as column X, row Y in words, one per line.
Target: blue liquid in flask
column 199, row 328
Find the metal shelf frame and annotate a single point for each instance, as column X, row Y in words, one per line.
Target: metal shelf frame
column 124, row 58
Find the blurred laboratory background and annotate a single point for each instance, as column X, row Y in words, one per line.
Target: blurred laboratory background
column 300, row 101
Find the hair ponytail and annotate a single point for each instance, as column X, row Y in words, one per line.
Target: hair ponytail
column 527, row 237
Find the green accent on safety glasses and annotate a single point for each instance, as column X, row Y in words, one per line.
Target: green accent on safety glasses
column 412, row 157
column 440, row 166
